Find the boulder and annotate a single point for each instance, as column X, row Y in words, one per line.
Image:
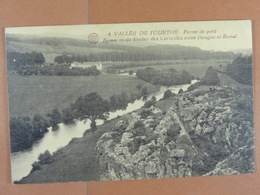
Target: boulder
column 207, row 129
column 180, row 153
column 198, row 129
column 193, row 125
column 132, row 119
column 126, row 138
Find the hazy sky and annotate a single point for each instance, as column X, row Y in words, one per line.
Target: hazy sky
column 222, row 35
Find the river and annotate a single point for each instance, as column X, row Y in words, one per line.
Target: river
column 53, row 140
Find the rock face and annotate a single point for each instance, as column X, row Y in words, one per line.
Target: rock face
column 203, row 134
column 243, row 157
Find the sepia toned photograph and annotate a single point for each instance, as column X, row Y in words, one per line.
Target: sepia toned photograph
column 130, row 101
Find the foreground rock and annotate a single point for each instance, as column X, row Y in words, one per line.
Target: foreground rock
column 203, row 133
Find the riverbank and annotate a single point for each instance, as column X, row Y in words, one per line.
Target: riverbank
column 75, row 162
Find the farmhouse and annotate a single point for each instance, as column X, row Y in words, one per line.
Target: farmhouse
column 86, row 65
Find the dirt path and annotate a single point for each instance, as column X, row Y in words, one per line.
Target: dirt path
column 184, row 131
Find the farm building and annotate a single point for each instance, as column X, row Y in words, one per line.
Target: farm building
column 86, row 65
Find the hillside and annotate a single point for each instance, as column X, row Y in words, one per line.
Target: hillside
column 51, row 46
column 214, row 78
column 29, row 95
column 195, row 134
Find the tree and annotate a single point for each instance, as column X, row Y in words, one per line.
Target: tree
column 67, row 116
column 144, row 91
column 40, row 126
column 130, row 72
column 62, row 59
column 92, row 107
column 21, row 129
column 55, row 117
column 139, row 86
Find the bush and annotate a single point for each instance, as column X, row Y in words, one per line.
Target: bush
column 130, row 72
column 180, row 91
column 193, row 87
column 153, row 99
column 45, row 158
column 135, row 144
column 36, row 166
column 167, row 94
column 148, row 104
column 173, row 133
column 138, row 124
column 145, row 113
column 144, row 91
column 139, row 86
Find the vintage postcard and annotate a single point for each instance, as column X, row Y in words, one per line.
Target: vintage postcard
column 130, row 101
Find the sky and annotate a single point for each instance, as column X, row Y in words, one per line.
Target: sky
column 208, row 35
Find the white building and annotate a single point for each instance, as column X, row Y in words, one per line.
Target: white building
column 86, row 65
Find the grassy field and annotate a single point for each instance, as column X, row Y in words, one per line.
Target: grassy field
column 196, row 68
column 29, row 95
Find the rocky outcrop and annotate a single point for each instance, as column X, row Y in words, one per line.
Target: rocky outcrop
column 201, row 134
column 145, row 150
column 241, row 161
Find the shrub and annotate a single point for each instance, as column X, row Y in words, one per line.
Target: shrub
column 167, row 94
column 180, row 91
column 135, row 144
column 36, row 166
column 144, row 91
column 145, row 113
column 148, row 104
column 153, row 99
column 139, row 86
column 139, row 124
column 173, row 133
column 45, row 158
column 193, row 87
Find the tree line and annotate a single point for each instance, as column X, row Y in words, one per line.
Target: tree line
column 16, row 60
column 24, row 131
column 34, row 64
column 144, row 54
column 58, row 70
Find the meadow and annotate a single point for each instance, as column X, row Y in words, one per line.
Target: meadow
column 29, row 95
column 196, row 68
